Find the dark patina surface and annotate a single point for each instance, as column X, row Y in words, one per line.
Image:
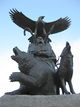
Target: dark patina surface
column 38, row 74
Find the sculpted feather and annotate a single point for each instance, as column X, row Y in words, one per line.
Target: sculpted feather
column 24, row 22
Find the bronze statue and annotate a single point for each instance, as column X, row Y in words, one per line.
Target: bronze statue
column 38, row 75
column 65, row 70
column 39, row 27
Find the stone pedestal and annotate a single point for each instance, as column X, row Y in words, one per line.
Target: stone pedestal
column 40, row 101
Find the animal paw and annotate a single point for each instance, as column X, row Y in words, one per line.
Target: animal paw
column 15, row 76
column 67, row 92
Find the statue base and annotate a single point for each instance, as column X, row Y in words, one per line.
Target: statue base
column 40, row 101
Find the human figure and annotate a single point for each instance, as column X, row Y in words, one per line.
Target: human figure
column 43, row 52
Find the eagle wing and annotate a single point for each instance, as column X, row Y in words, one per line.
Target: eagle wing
column 59, row 25
column 21, row 20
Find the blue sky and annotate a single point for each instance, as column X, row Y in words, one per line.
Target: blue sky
column 11, row 35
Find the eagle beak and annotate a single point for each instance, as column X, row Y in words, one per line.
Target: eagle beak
column 43, row 17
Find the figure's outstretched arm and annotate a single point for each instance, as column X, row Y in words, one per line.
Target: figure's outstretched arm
column 52, row 27
column 29, row 30
column 47, row 34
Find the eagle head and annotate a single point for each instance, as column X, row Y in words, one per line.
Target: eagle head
column 40, row 18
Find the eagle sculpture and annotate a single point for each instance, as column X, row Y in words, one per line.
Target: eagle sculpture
column 39, row 27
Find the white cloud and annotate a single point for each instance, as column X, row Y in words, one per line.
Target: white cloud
column 7, row 66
